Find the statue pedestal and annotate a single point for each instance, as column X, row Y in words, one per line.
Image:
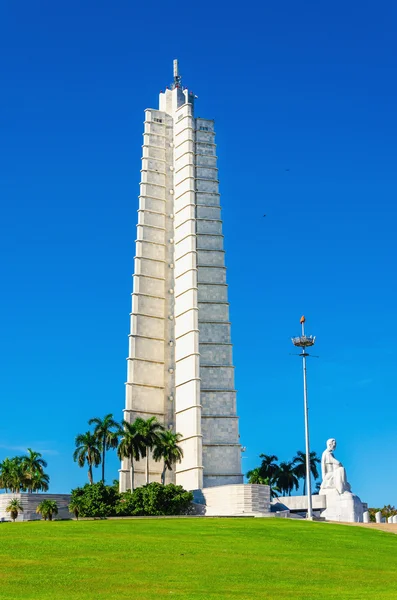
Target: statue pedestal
column 346, row 507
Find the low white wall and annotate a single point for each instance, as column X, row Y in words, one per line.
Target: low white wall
column 29, row 504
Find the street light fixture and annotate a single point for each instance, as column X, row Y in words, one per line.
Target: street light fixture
column 305, row 342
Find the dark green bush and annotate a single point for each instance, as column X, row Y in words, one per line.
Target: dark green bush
column 155, row 499
column 95, row 500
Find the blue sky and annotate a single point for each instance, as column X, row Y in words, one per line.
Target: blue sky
column 306, row 87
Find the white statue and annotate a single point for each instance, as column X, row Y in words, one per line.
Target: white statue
column 333, row 472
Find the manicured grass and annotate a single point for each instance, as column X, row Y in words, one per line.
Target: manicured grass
column 200, row 559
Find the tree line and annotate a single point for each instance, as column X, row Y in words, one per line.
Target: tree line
column 284, row 477
column 135, row 441
column 24, row 473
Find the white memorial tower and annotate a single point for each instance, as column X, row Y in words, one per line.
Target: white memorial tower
column 180, row 366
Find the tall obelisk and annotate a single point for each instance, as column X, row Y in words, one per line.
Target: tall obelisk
column 180, row 365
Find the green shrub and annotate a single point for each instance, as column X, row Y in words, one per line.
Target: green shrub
column 95, row 500
column 155, row 499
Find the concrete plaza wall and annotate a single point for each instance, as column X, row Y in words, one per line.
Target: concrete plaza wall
column 29, row 504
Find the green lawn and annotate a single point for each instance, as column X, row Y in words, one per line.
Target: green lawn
column 200, row 559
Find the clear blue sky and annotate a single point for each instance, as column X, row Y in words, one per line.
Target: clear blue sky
column 309, row 87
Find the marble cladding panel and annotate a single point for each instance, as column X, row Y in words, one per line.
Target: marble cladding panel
column 151, row 164
column 213, row 312
column 208, row 212
column 222, row 460
column 145, row 373
column 184, row 146
column 187, row 185
column 190, row 480
column 152, row 204
column 207, row 173
column 210, row 242
column 219, row 430
column 206, row 137
column 212, row 293
column 184, row 160
column 148, row 305
column 183, row 214
column 149, row 250
column 146, row 348
column 187, row 244
column 205, row 199
column 151, row 139
column 147, row 326
column 191, row 453
column 148, row 285
column 205, row 161
column 153, row 191
column 186, row 262
column 150, row 234
column 205, row 149
column 153, row 177
column 148, row 218
column 141, row 398
column 184, row 229
column 186, row 345
column 209, row 124
column 212, row 481
column 204, row 185
column 214, row 227
column 154, row 129
column 215, row 332
column 213, row 258
column 214, row 354
column 185, row 302
column 219, row 378
column 185, row 282
column 187, row 395
column 188, row 422
column 211, row 275
column 187, row 198
column 151, row 268
column 186, row 322
column 152, row 152
column 184, row 173
column 182, row 124
column 182, row 136
column 218, row 403
column 186, row 369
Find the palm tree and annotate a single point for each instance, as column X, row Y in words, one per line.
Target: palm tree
column 75, row 507
column 299, row 463
column 167, row 449
column 87, row 449
column 106, row 431
column 131, row 446
column 6, row 474
column 149, row 430
column 39, row 482
column 47, row 508
column 269, row 466
column 286, row 478
column 32, row 463
column 254, row 476
column 14, row 507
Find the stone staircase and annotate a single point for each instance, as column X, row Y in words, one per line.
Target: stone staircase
column 234, row 500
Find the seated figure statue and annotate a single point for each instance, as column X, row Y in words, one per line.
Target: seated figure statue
column 333, row 472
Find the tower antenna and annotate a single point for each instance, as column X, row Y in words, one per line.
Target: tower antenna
column 177, row 78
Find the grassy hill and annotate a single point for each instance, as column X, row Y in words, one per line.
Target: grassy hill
column 200, row 559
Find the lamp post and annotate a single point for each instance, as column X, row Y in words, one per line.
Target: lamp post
column 305, row 342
